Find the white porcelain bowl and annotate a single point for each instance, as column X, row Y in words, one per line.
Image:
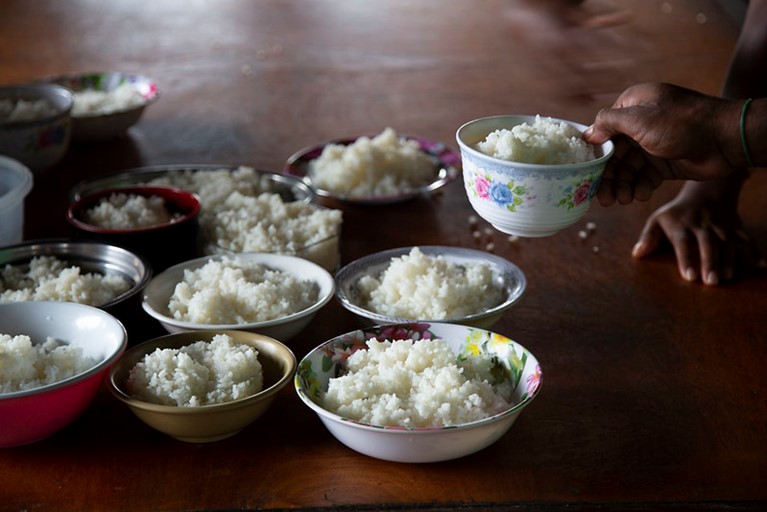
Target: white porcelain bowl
column 529, row 200
column 506, row 276
column 419, row 444
column 159, row 290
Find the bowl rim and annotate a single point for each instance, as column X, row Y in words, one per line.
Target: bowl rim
column 168, row 194
column 351, row 271
column 398, row 430
column 18, row 89
column 102, row 365
column 118, row 391
column 607, row 147
column 322, row 277
column 57, row 243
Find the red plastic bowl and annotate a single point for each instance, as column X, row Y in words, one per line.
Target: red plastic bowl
column 162, row 244
column 35, row 414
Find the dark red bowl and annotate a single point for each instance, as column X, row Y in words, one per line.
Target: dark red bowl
column 162, row 245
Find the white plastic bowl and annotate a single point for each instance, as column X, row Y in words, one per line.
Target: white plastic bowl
column 15, row 183
column 530, row 200
column 159, row 290
column 418, row 445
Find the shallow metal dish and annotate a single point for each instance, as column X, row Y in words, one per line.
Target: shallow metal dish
column 507, row 276
column 91, row 257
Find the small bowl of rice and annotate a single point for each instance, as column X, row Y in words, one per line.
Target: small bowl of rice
column 418, row 392
column 81, row 271
column 35, row 124
column 160, row 223
column 430, row 284
column 530, row 176
column 202, row 386
column 271, row 294
column 54, row 357
column 106, row 104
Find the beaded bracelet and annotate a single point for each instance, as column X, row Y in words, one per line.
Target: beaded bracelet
column 743, row 132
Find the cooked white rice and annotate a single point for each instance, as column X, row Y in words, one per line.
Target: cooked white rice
column 129, row 211
column 25, row 365
column 410, row 383
column 201, row 373
column 236, row 291
column 15, row 111
column 266, row 223
column 94, row 102
column 544, row 142
column 240, row 213
column 49, row 278
column 386, row 164
column 417, row 286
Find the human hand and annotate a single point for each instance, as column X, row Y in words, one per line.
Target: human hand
column 660, row 132
column 705, row 232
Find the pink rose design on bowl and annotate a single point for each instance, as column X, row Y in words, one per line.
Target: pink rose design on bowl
column 581, row 194
column 482, row 186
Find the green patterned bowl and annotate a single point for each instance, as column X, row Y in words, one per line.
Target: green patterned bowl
column 512, row 363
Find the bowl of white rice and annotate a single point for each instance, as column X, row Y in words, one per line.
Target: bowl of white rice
column 271, row 294
column 83, row 272
column 202, row 386
column 382, row 169
column 530, row 176
column 106, row 104
column 418, row 392
column 35, row 123
column 142, row 218
column 53, row 359
column 432, row 284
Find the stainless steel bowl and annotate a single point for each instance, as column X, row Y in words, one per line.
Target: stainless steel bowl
column 506, row 275
column 288, row 187
column 91, row 257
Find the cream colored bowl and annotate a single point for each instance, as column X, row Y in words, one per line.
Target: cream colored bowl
column 211, row 422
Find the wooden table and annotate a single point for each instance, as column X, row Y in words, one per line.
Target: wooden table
column 654, row 389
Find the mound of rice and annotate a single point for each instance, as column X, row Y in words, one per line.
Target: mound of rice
column 420, row 287
column 201, row 373
column 240, row 214
column 236, row 291
column 94, row 102
column 24, row 365
column 410, row 383
column 129, row 211
column 384, row 165
column 17, row 111
column 544, row 142
column 49, row 278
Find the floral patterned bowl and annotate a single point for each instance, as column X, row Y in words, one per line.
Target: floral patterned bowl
column 400, row 444
column 121, row 100
column 34, row 133
column 530, row 200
